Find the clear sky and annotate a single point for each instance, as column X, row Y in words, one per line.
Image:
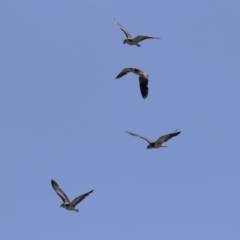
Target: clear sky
column 64, row 116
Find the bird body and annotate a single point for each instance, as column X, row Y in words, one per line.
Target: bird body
column 71, row 206
column 143, row 79
column 133, row 41
column 155, row 145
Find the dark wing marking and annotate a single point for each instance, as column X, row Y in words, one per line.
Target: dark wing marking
column 166, row 137
column 143, row 82
column 136, row 135
column 128, row 35
column 137, row 71
column 123, row 72
column 141, row 38
column 80, row 198
column 60, row 192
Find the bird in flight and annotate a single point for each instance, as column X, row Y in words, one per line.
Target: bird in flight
column 143, row 79
column 133, row 41
column 66, row 203
column 159, row 142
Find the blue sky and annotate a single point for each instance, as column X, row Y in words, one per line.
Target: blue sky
column 64, row 116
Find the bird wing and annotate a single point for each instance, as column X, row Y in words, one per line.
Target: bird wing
column 166, row 137
column 128, row 35
column 80, row 198
column 60, row 192
column 141, row 38
column 136, row 135
column 123, row 72
column 143, row 82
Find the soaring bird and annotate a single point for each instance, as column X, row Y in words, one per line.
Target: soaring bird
column 143, row 79
column 66, row 203
column 159, row 142
column 133, row 41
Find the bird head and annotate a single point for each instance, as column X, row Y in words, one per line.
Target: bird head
column 124, row 41
column 62, row 205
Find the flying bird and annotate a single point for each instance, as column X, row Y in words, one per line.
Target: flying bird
column 143, row 79
column 133, row 41
column 66, row 203
column 159, row 142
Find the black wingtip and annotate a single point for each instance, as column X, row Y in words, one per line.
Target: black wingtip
column 143, row 86
column 54, row 184
column 176, row 133
column 118, row 76
column 144, row 91
column 90, row 192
